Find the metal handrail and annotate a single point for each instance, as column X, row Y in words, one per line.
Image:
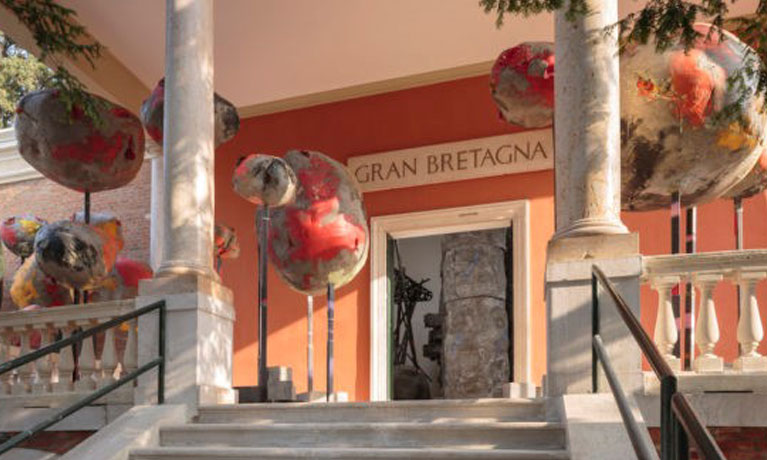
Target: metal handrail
column 158, row 362
column 678, row 419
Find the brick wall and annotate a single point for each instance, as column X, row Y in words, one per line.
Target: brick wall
column 50, row 201
column 737, row 443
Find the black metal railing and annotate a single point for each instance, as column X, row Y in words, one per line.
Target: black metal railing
column 678, row 419
column 78, row 337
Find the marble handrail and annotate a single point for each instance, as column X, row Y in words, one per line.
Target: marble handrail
column 745, row 269
column 100, row 359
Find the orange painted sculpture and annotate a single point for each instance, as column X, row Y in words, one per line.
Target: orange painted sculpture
column 322, row 237
column 109, row 226
column 31, row 286
column 227, row 122
column 690, row 121
column 70, row 148
column 18, row 234
column 74, row 254
column 122, row 282
column 522, row 84
column 264, row 179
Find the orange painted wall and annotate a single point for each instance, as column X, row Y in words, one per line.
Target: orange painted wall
column 422, row 116
column 434, row 114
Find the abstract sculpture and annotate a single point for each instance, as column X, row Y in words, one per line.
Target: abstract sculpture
column 322, row 237
column 268, row 181
column 320, row 241
column 226, row 243
column 122, row 282
column 71, row 149
column 75, row 254
column 691, row 121
column 18, row 234
column 522, row 84
column 31, row 286
column 227, row 122
column 264, row 179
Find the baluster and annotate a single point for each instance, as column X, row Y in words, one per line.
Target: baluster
column 707, row 327
column 130, row 356
column 66, row 364
column 26, row 373
column 43, row 365
column 87, row 362
column 666, row 332
column 6, row 380
column 750, row 331
column 108, row 357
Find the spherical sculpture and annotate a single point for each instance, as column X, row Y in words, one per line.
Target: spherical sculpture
column 225, row 239
column 18, row 234
column 74, row 254
column 522, row 84
column 70, row 148
column 322, row 237
column 122, row 282
column 264, row 179
column 227, row 121
column 690, row 121
column 31, row 286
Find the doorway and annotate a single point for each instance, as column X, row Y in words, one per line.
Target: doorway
column 512, row 215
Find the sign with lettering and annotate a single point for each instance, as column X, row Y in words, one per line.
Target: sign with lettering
column 490, row 156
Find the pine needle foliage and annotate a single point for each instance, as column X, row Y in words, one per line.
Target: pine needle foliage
column 664, row 23
column 57, row 35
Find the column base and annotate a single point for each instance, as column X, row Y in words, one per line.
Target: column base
column 569, row 321
column 514, row 390
column 199, row 334
column 750, row 364
column 591, row 227
column 708, row 365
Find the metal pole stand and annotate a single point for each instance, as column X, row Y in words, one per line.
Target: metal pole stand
column 331, row 311
column 263, row 240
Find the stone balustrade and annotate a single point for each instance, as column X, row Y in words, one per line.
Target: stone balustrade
column 100, row 359
column 705, row 270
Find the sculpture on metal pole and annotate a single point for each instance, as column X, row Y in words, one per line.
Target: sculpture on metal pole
column 269, row 182
column 320, row 241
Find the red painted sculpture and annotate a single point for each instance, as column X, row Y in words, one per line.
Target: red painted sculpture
column 109, row 225
column 227, row 122
column 322, row 237
column 74, row 254
column 18, row 234
column 122, row 282
column 522, row 84
column 264, row 179
column 691, row 121
column 225, row 239
column 70, row 148
column 31, row 286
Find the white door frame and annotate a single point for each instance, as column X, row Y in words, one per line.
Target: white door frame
column 438, row 222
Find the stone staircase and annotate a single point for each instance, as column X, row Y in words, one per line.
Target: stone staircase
column 457, row 429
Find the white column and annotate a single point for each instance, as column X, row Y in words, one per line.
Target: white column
column 707, row 327
column 587, row 123
column 666, row 333
column 750, row 330
column 200, row 312
column 188, row 139
column 156, row 206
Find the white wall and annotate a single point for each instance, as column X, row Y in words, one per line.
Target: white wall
column 422, row 258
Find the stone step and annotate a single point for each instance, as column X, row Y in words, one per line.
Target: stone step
column 456, row 435
column 250, row 453
column 382, row 411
